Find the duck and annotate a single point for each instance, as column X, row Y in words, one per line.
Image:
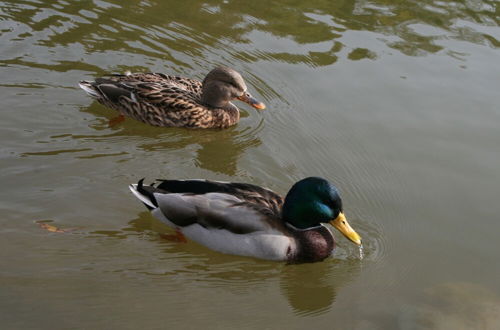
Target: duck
column 248, row 220
column 163, row 100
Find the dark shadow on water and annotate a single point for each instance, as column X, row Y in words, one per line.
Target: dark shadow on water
column 310, row 289
column 212, row 149
column 216, row 150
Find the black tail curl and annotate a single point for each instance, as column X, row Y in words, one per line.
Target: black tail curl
column 148, row 192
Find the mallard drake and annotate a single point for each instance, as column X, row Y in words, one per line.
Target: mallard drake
column 248, row 220
column 162, row 100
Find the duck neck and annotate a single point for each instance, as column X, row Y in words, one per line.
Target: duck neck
column 313, row 244
column 227, row 115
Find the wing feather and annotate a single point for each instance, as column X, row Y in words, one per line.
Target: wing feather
column 212, row 211
column 227, row 217
column 261, row 199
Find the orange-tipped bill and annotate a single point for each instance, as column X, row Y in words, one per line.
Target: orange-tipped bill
column 341, row 224
column 247, row 98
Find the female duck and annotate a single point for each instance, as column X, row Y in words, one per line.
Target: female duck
column 244, row 219
column 161, row 100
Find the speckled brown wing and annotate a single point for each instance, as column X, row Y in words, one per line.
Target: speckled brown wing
column 160, row 100
column 190, row 85
column 163, row 100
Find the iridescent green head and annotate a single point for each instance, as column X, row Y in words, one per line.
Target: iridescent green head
column 313, row 201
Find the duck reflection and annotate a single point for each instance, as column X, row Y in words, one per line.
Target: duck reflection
column 310, row 289
column 217, row 150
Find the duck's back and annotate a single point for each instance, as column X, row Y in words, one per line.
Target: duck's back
column 162, row 81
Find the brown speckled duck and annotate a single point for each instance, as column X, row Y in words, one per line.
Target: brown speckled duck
column 162, row 100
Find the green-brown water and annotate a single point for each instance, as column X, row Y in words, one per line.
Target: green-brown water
column 396, row 102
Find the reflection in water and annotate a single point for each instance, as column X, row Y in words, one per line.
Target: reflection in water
column 310, row 289
column 227, row 146
column 216, row 150
column 415, row 28
column 214, row 145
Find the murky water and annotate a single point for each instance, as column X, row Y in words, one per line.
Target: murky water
column 396, row 102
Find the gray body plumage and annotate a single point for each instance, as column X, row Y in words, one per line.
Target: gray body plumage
column 233, row 218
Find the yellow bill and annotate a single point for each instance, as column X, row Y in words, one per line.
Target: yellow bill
column 341, row 224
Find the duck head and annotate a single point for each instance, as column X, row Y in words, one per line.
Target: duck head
column 222, row 85
column 313, row 201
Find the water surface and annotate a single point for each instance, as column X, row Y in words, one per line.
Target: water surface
column 395, row 102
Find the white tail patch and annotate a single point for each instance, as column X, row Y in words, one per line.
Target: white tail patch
column 141, row 197
column 128, row 73
column 133, row 97
column 89, row 90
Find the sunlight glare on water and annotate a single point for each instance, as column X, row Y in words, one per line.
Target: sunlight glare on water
column 361, row 254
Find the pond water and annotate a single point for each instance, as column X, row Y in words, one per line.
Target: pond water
column 396, row 102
